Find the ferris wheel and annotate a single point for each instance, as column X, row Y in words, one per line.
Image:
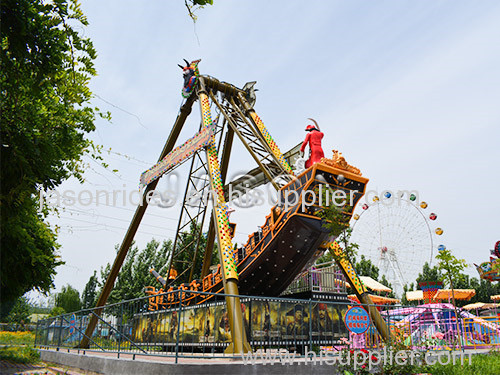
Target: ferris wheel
column 397, row 233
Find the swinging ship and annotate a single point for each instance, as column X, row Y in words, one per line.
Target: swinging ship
column 291, row 239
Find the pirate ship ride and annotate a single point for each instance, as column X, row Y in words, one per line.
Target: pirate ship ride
column 291, row 238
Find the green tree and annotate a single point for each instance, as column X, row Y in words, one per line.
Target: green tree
column 89, row 295
column 39, row 309
column 484, row 290
column 134, row 274
column 193, row 5
column 20, row 312
column 68, row 299
column 327, row 257
column 187, row 241
column 451, row 270
column 365, row 267
column 56, row 311
column 336, row 221
column 45, row 116
column 385, row 282
column 404, row 300
column 429, row 274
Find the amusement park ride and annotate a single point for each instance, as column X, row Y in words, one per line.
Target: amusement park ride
column 395, row 232
column 491, row 270
column 292, row 236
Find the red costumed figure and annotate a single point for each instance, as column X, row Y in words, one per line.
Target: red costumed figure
column 313, row 138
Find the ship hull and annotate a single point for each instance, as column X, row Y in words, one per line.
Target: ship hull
column 296, row 245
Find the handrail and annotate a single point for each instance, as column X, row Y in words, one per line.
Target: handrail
column 121, row 334
column 83, row 333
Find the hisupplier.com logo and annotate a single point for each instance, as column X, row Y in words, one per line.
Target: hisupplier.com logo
column 357, row 358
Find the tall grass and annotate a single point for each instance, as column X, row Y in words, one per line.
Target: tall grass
column 18, row 347
column 17, row 338
column 480, row 364
column 19, row 354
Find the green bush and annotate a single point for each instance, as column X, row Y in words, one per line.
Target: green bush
column 19, row 354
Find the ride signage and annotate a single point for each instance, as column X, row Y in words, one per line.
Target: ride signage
column 357, row 320
column 178, row 155
column 72, row 324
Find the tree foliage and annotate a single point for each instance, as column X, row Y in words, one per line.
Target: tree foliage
column 385, row 282
column 404, row 300
column 89, row 294
column 56, row 311
column 134, row 274
column 20, row 312
column 365, row 267
column 193, row 5
column 484, row 289
column 336, row 221
column 45, row 115
column 188, row 241
column 68, row 299
column 429, row 274
column 451, row 268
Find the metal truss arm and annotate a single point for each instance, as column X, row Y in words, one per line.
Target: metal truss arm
column 265, row 134
column 228, row 264
column 248, row 145
column 226, row 153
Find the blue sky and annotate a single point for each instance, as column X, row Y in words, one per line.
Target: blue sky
column 407, row 90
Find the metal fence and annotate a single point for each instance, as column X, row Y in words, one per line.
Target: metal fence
column 328, row 279
column 271, row 323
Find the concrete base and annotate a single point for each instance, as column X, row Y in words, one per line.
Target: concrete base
column 108, row 363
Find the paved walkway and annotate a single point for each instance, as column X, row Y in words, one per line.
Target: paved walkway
column 165, row 357
column 7, row 368
column 131, row 364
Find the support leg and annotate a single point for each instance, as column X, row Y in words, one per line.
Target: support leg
column 353, row 279
column 134, row 225
column 226, row 153
column 221, row 220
